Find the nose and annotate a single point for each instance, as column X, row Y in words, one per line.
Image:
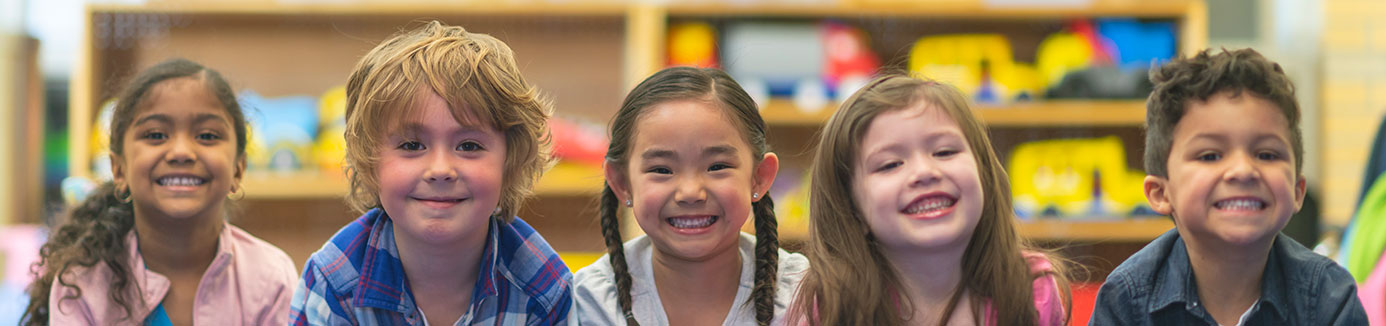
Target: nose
column 440, row 167
column 181, row 151
column 690, row 190
column 1242, row 169
column 924, row 173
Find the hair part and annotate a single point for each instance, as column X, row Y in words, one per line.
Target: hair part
column 476, row 75
column 1179, row 83
column 843, row 252
column 715, row 87
column 95, row 230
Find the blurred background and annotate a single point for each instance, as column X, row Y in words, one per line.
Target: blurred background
column 1061, row 84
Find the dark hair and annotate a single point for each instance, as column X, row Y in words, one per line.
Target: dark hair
column 1203, row 76
column 714, row 86
column 95, row 230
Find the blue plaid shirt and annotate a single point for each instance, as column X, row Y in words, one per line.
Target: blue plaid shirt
column 357, row 279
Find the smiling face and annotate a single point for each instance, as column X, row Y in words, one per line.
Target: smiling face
column 440, row 181
column 179, row 159
column 916, row 181
column 690, row 179
column 1231, row 171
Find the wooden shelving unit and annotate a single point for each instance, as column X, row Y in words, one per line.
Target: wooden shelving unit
column 583, row 54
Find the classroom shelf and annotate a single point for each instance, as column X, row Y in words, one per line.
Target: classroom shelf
column 1057, row 113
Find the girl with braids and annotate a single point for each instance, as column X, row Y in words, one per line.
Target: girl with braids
column 688, row 158
column 153, row 246
column 911, row 220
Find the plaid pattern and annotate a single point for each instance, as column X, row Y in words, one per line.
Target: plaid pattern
column 357, row 279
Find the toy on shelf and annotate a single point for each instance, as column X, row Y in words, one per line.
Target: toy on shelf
column 281, row 131
column 1075, row 178
column 980, row 65
column 808, row 62
column 329, row 150
column 577, row 142
column 1108, row 59
column 692, row 44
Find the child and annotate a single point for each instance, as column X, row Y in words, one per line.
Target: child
column 911, row 220
column 153, row 246
column 1223, row 158
column 444, row 141
column 688, row 157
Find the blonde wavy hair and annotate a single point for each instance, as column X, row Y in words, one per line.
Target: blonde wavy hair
column 476, row 75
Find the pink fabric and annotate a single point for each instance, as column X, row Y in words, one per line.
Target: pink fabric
column 250, row 282
column 1373, row 294
column 1048, row 302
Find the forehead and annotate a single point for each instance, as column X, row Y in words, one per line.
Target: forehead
column 427, row 108
column 1225, row 114
column 686, row 125
column 180, row 97
column 921, row 118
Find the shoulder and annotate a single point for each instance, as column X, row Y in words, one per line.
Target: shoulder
column 1143, row 266
column 1304, row 266
column 269, row 261
column 339, row 260
column 532, row 264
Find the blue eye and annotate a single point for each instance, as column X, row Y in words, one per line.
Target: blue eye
column 469, row 146
column 411, row 146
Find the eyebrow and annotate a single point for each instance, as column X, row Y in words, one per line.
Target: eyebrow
column 709, row 151
column 164, row 118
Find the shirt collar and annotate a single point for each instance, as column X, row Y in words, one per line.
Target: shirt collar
column 1175, row 282
column 383, row 283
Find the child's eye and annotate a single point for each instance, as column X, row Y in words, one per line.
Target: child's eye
column 718, row 167
column 208, row 136
column 1208, row 157
column 889, row 166
column 154, row 135
column 1268, row 156
column 659, row 170
column 411, row 146
column 946, row 153
column 469, row 146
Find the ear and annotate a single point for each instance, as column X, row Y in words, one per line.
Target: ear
column 117, row 169
column 239, row 174
column 764, row 175
column 616, row 179
column 1301, row 190
column 1157, row 193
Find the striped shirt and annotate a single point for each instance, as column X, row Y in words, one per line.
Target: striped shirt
column 357, row 279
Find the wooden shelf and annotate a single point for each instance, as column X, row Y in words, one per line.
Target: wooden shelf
column 1134, row 229
column 1057, row 113
column 563, row 180
column 943, row 9
column 372, row 8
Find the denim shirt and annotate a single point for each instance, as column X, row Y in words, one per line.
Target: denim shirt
column 1156, row 286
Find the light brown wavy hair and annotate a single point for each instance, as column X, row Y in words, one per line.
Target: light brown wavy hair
column 476, row 75
column 851, row 281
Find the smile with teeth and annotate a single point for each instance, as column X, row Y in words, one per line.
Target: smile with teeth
column 929, row 205
column 693, row 222
column 181, row 181
column 1240, row 204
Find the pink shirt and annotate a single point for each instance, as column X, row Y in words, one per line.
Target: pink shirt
column 250, row 282
column 1048, row 303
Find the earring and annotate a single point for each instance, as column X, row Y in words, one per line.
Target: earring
column 496, row 212
column 628, row 203
column 755, row 196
